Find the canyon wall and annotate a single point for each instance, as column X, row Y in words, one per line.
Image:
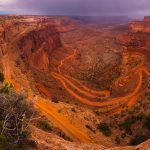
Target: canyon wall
column 140, row 26
column 34, row 38
column 36, row 46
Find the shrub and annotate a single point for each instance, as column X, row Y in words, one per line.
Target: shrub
column 54, row 99
column 127, row 124
column 6, row 88
column 117, row 140
column 64, row 136
column 14, row 118
column 104, row 128
column 90, row 128
column 137, row 139
column 97, row 112
column 73, row 109
column 4, row 143
column 140, row 116
column 147, row 122
column 44, row 125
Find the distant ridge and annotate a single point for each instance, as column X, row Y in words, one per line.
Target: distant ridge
column 103, row 19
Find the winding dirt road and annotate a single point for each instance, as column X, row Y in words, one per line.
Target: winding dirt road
column 46, row 108
column 104, row 103
column 103, row 94
column 70, row 86
column 65, row 59
column 87, row 91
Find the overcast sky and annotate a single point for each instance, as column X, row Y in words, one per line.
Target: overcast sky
column 131, row 8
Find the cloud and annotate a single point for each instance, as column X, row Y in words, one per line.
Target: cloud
column 78, row 7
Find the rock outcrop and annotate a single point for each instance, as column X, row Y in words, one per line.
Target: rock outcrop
column 141, row 26
column 36, row 46
column 50, row 141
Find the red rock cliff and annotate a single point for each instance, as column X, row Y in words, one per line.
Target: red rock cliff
column 36, row 46
column 141, row 26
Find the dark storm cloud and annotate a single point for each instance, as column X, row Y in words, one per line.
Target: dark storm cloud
column 81, row 7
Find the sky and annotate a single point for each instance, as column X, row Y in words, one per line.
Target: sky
column 131, row 8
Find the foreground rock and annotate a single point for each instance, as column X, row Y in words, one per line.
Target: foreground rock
column 52, row 142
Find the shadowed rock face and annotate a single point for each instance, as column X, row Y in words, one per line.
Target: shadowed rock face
column 141, row 26
column 36, row 46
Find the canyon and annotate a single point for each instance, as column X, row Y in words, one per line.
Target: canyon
column 78, row 75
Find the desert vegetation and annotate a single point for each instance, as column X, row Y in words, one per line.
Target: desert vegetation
column 44, row 125
column 104, row 128
column 15, row 115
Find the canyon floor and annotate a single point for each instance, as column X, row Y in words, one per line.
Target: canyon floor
column 90, row 82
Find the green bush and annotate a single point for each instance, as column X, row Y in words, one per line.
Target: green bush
column 104, row 128
column 16, row 111
column 44, row 125
column 6, row 88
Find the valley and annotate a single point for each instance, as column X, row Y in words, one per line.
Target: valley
column 80, row 75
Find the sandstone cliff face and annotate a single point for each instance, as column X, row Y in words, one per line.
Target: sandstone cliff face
column 36, row 46
column 141, row 26
column 137, row 39
column 36, row 37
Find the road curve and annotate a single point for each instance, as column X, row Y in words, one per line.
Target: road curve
column 65, row 59
column 130, row 98
column 88, row 94
column 105, row 94
column 87, row 91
